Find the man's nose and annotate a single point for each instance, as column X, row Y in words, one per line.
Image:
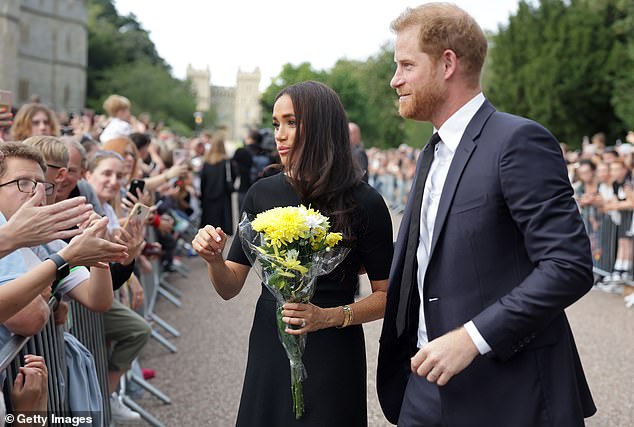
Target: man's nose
column 397, row 80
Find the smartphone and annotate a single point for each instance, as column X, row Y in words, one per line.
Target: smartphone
column 180, row 156
column 5, row 101
column 136, row 184
column 139, row 211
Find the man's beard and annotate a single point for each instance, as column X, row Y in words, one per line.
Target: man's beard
column 424, row 102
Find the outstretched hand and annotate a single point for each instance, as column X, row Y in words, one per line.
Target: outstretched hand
column 33, row 224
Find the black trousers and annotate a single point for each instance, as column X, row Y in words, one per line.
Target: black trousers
column 421, row 404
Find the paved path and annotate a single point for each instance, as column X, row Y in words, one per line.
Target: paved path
column 204, row 378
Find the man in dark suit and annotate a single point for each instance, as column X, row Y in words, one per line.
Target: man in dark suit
column 490, row 252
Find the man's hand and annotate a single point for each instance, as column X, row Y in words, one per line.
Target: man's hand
column 61, row 313
column 441, row 359
column 33, row 224
column 30, row 389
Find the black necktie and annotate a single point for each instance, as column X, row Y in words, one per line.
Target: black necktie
column 410, row 265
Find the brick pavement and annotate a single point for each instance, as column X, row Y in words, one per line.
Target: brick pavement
column 204, row 378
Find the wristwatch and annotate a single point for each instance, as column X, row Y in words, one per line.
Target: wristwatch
column 63, row 269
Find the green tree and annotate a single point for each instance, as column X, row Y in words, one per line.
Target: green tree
column 345, row 79
column 554, row 63
column 289, row 75
column 123, row 59
column 150, row 88
column 383, row 126
column 623, row 95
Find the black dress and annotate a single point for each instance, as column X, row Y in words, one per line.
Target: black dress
column 215, row 197
column 335, row 389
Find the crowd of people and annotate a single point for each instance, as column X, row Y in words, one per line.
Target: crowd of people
column 69, row 189
column 79, row 194
column 601, row 175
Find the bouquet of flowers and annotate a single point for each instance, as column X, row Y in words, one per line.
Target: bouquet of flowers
column 289, row 247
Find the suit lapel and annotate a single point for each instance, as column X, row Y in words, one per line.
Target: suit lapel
column 460, row 159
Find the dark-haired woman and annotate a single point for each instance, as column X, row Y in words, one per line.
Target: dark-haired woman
column 311, row 133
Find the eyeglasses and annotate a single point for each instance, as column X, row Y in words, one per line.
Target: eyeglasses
column 26, row 185
column 54, row 166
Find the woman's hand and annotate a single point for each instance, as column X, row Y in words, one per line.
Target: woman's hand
column 133, row 238
column 209, row 243
column 307, row 317
column 136, row 293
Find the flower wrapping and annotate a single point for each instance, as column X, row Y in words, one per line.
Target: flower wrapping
column 289, row 247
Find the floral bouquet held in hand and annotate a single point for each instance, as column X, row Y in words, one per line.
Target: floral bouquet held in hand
column 288, row 248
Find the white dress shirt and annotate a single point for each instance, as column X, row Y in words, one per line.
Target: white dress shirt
column 450, row 134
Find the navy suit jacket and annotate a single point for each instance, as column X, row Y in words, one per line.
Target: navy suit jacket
column 509, row 252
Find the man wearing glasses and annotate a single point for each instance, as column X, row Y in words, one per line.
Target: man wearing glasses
column 21, row 174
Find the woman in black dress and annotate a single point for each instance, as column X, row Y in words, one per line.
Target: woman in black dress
column 311, row 133
column 216, row 184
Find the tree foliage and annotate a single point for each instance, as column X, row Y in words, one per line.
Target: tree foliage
column 623, row 94
column 556, row 62
column 364, row 90
column 122, row 59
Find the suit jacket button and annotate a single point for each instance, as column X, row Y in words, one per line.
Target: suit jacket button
column 527, row 340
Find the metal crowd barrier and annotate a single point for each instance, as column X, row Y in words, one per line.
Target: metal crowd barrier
column 87, row 327
column 611, row 242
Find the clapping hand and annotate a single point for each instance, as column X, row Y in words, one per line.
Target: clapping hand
column 33, row 224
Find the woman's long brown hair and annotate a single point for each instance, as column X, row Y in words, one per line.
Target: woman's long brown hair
column 320, row 164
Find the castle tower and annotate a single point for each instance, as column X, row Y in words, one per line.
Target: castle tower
column 248, row 113
column 9, row 38
column 44, row 48
column 200, row 84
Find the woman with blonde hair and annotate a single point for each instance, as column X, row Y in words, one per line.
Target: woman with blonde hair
column 216, row 186
column 34, row 120
column 125, row 147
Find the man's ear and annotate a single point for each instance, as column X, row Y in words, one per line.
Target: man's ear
column 61, row 174
column 449, row 60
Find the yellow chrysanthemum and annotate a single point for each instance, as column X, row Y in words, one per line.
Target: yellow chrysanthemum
column 332, row 239
column 281, row 225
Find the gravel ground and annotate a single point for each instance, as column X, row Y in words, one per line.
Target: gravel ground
column 204, row 378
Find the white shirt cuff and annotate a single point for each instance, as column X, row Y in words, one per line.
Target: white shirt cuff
column 482, row 346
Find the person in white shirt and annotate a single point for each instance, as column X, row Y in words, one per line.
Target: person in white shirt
column 118, row 109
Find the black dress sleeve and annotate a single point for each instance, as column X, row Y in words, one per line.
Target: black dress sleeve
column 375, row 243
column 120, row 273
